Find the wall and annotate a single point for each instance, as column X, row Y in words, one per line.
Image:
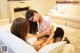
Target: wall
column 4, row 11
column 42, row 6
column 0, row 13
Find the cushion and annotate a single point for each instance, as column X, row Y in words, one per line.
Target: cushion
column 53, row 48
column 69, row 9
column 69, row 48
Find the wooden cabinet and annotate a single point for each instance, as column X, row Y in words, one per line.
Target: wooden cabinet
column 17, row 5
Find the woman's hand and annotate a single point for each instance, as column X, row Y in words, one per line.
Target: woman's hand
column 44, row 44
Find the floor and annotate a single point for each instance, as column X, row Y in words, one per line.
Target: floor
column 72, row 34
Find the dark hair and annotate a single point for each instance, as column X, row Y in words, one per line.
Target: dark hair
column 30, row 13
column 59, row 33
column 33, row 25
column 20, row 28
column 66, row 39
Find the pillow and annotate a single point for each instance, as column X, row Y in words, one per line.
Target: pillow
column 69, row 48
column 53, row 48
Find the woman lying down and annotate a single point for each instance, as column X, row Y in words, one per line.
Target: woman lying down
column 20, row 28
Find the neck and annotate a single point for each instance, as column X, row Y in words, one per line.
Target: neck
column 40, row 19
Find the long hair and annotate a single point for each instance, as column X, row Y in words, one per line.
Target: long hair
column 33, row 25
column 30, row 13
column 20, row 28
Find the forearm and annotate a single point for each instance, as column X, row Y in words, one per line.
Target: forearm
column 43, row 33
column 40, row 34
column 39, row 42
column 48, row 40
column 38, row 45
column 51, row 36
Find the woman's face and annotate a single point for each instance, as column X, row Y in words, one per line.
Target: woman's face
column 35, row 18
column 58, row 39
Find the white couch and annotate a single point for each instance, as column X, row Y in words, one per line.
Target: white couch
column 17, row 45
column 13, row 43
column 66, row 14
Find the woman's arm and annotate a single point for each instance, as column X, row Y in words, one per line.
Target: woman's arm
column 39, row 42
column 43, row 33
column 50, row 37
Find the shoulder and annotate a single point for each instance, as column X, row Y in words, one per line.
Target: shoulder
column 46, row 18
column 30, row 35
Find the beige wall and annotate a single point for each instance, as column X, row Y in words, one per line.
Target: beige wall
column 4, row 12
column 4, row 9
column 0, row 13
column 42, row 6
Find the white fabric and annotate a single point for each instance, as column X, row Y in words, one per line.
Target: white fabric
column 16, row 44
column 53, row 11
column 70, row 9
column 69, row 48
column 47, row 19
column 44, row 24
column 32, row 40
column 52, row 48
